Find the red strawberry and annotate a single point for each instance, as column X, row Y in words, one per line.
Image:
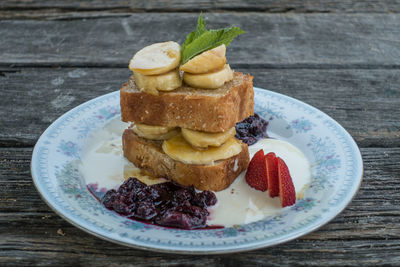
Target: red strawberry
column 256, row 175
column 286, row 187
column 272, row 174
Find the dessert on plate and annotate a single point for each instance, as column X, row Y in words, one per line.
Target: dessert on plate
column 183, row 103
column 191, row 122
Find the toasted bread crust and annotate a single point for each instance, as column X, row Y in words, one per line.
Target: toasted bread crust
column 148, row 155
column 205, row 110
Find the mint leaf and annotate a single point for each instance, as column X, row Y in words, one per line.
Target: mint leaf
column 189, row 39
column 201, row 26
column 200, row 29
column 208, row 40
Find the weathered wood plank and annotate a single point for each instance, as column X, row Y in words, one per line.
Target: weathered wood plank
column 53, row 9
column 366, row 233
column 274, row 41
column 78, row 248
column 365, row 102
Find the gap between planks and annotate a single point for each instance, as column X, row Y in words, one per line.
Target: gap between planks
column 13, row 67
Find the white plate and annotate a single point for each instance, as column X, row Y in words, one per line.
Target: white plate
column 336, row 169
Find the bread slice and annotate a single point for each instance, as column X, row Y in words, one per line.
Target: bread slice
column 215, row 110
column 148, row 155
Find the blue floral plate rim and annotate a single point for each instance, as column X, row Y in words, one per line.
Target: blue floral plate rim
column 211, row 243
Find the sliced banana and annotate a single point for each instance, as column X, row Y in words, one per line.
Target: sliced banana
column 154, row 132
column 178, row 149
column 207, row 61
column 156, row 58
column 210, row 80
column 163, row 82
column 152, row 129
column 203, row 139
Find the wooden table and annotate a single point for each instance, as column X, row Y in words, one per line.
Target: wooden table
column 340, row 56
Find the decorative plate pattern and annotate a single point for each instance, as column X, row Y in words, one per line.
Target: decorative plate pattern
column 334, row 156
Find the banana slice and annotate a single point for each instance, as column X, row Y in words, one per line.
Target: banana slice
column 203, row 139
column 163, row 82
column 154, row 132
column 210, row 80
column 207, row 61
column 156, row 58
column 178, row 149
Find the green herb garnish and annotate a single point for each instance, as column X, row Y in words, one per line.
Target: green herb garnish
column 202, row 39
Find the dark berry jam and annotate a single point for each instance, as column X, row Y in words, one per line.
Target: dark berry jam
column 251, row 129
column 166, row 204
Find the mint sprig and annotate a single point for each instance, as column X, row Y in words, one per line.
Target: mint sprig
column 202, row 39
column 200, row 29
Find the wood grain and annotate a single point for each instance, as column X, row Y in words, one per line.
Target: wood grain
column 276, row 40
column 365, row 102
column 366, row 233
column 337, row 55
column 27, row 9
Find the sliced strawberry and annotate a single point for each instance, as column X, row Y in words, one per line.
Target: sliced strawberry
column 256, row 175
column 272, row 174
column 286, row 187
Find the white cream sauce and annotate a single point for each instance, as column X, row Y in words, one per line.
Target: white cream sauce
column 103, row 163
column 241, row 204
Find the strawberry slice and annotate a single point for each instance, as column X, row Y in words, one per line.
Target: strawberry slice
column 256, row 175
column 272, row 174
column 286, row 187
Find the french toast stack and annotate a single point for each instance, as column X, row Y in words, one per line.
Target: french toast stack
column 183, row 116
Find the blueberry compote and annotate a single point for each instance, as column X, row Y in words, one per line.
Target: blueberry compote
column 166, row 204
column 251, row 129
